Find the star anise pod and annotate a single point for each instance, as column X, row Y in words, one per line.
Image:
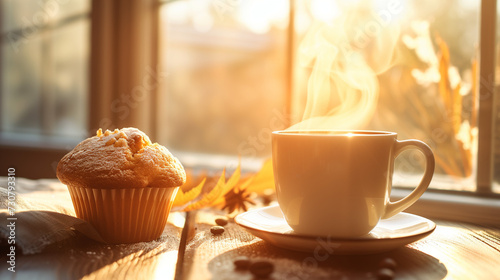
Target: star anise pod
column 236, row 199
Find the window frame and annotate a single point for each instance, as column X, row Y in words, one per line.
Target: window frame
column 487, row 102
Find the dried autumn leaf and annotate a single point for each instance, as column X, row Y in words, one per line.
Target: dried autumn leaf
column 230, row 184
column 218, row 191
column 183, row 198
column 237, row 198
column 232, row 194
column 457, row 109
column 474, row 89
column 263, row 180
column 209, row 197
column 444, row 65
column 193, row 180
column 241, row 194
column 458, row 127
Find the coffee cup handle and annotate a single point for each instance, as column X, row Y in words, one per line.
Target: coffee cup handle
column 393, row 208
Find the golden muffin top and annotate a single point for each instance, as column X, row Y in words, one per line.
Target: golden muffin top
column 123, row 158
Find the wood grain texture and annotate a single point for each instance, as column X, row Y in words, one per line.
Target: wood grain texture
column 467, row 251
column 454, row 251
column 82, row 258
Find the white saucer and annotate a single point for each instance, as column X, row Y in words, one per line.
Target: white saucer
column 269, row 224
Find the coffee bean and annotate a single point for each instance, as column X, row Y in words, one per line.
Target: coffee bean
column 385, row 274
column 388, row 263
column 261, row 269
column 216, row 230
column 242, row 263
column 221, row 221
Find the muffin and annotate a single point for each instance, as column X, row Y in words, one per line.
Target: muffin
column 122, row 184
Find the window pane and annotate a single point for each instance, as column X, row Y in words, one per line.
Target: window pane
column 44, row 78
column 68, row 8
column 226, row 82
column 69, row 79
column 403, row 66
column 21, row 87
column 18, row 14
column 28, row 16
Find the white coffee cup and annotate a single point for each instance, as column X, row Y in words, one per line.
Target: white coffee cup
column 338, row 183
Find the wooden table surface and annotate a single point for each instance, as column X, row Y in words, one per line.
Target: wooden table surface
column 188, row 250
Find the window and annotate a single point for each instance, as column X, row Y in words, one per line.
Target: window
column 424, row 57
column 408, row 67
column 234, row 70
column 227, row 70
column 44, row 64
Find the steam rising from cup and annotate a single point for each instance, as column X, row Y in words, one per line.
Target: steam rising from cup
column 345, row 56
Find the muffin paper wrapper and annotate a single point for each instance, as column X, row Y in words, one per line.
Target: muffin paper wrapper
column 124, row 215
